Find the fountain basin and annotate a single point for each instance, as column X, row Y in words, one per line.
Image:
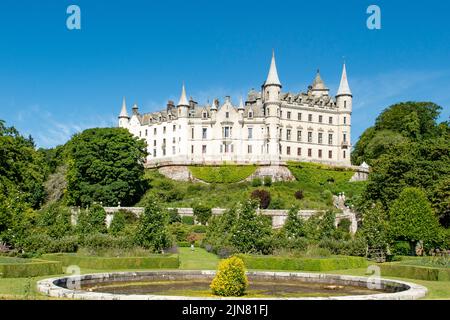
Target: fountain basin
column 129, row 285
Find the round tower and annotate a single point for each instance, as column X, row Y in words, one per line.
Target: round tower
column 272, row 105
column 124, row 119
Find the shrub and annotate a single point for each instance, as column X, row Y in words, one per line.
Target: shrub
column 187, row 220
column 277, row 203
column 402, row 248
column 34, row 268
column 262, row 196
column 256, row 182
column 267, row 181
column 299, row 194
column 202, row 213
column 92, row 220
column 55, row 221
column 353, row 247
column 99, row 241
column 39, row 243
column 174, row 216
column 225, row 251
column 117, row 224
column 344, row 225
column 199, row 229
column 375, row 229
column 230, row 279
column 179, row 230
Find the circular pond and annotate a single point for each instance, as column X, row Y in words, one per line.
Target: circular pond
column 150, row 285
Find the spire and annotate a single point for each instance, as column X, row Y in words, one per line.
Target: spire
column 241, row 104
column 344, row 88
column 272, row 77
column 183, row 100
column 318, row 82
column 123, row 112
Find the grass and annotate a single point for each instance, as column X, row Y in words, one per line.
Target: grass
column 222, row 174
column 317, row 182
column 10, row 260
column 199, row 259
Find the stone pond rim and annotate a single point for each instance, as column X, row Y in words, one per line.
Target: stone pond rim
column 56, row 287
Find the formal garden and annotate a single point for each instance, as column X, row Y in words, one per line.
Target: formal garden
column 403, row 212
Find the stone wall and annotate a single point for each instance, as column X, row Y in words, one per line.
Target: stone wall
column 278, row 216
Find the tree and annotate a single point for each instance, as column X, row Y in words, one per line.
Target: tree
column 152, row 232
column 250, row 231
column 412, row 219
column 294, row 227
column 440, row 200
column 105, row 165
column 262, row 196
column 202, row 213
column 375, row 228
column 55, row 221
column 92, row 220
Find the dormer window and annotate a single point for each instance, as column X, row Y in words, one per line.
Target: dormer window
column 205, row 115
column 250, row 114
column 227, row 114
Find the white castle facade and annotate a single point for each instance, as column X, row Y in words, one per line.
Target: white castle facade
column 270, row 127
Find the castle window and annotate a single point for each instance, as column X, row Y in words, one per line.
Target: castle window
column 250, row 114
column 288, row 151
column 309, row 152
column 281, row 114
column 226, row 133
column 299, row 135
column 164, row 130
column 139, row 134
column 174, row 128
column 345, row 120
column 320, row 119
column 345, row 104
column 192, row 149
column 204, row 133
column 320, row 137
column 320, row 153
column 154, row 153
column 309, row 117
column 154, row 131
column 330, row 138
column 204, row 148
column 173, row 150
column 289, row 115
column 205, row 115
column 310, row 136
column 330, row 120
column 173, row 140
column 330, row 154
column 192, row 133
column 164, row 151
column 146, row 132
column 299, row 151
column 249, row 149
column 250, row 133
column 343, row 154
column 227, row 114
column 231, row 148
column 154, row 143
column 345, row 137
column 288, row 134
column 268, row 95
column 299, row 116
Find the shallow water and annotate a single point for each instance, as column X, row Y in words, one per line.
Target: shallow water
column 257, row 288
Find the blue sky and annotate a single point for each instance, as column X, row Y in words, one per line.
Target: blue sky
column 55, row 82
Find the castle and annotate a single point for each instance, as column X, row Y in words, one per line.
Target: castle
column 270, row 127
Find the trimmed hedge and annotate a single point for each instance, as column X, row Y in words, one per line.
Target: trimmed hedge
column 306, row 264
column 415, row 272
column 223, row 173
column 169, row 261
column 34, row 268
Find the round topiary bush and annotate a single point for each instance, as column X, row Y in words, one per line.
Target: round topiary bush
column 230, row 279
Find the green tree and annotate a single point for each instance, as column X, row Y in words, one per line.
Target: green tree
column 202, row 213
column 412, row 219
column 105, row 165
column 294, row 227
column 251, row 231
column 92, row 220
column 152, row 232
column 375, row 228
column 55, row 221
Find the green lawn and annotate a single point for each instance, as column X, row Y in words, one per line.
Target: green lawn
column 316, row 182
column 197, row 259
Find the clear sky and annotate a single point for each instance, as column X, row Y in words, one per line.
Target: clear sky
column 55, row 82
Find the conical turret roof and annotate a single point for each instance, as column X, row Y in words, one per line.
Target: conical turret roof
column 272, row 77
column 183, row 99
column 344, row 88
column 123, row 112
